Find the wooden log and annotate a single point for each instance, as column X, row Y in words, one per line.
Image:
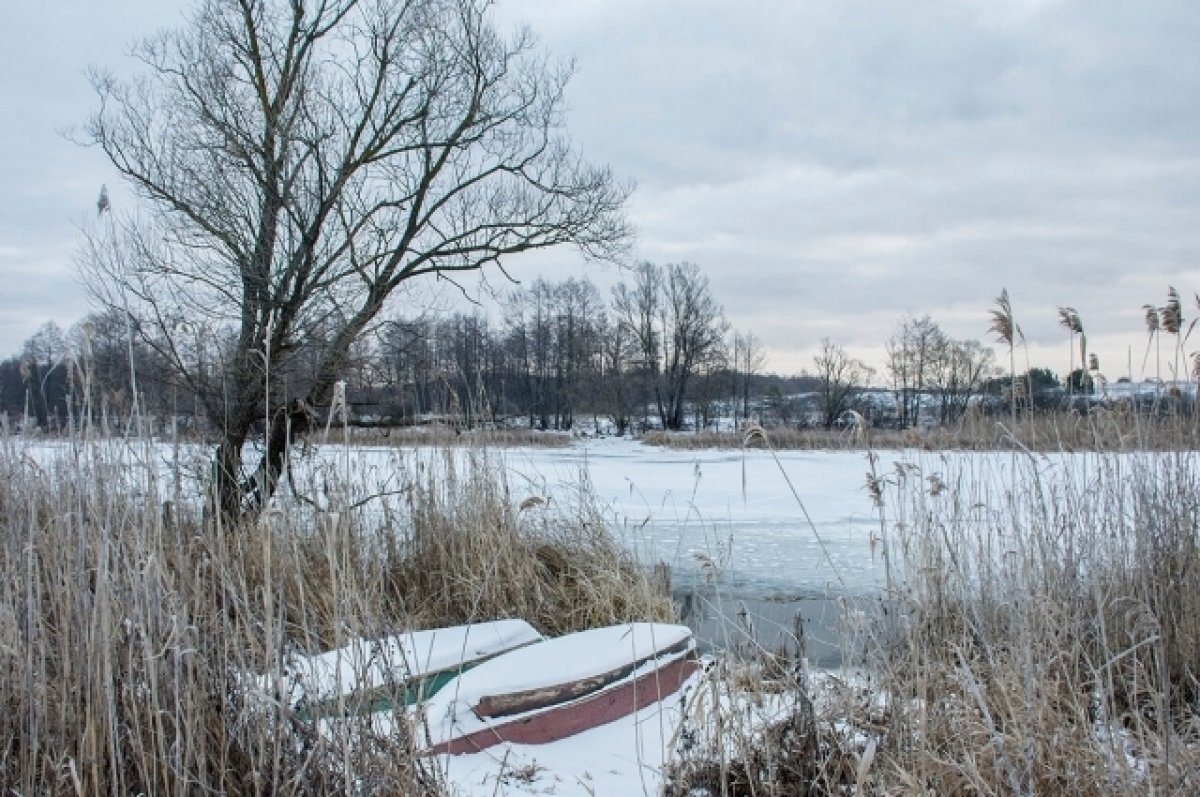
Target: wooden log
column 567, row 719
column 504, row 705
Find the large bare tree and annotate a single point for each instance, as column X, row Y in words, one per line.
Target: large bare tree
column 296, row 161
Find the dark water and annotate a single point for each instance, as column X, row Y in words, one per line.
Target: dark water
column 821, row 624
column 723, row 622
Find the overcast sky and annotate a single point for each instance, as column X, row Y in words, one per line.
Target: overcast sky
column 832, row 166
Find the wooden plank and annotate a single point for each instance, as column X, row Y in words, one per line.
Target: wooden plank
column 568, row 719
column 504, row 705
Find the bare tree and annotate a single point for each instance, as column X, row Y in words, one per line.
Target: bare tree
column 693, row 326
column 540, row 302
column 302, row 160
column 615, row 390
column 912, row 351
column 636, row 308
column 748, row 361
column 677, row 328
column 577, row 305
column 840, row 378
column 957, row 375
column 44, row 356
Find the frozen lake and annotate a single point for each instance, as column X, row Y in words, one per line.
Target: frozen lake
column 714, row 516
column 747, row 534
column 739, row 542
column 727, row 516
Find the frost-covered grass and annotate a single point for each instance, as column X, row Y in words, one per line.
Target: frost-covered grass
column 1039, row 633
column 1013, row 622
column 1045, row 634
column 130, row 632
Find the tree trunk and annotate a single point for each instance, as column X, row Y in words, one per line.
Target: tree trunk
column 286, row 423
column 41, row 409
column 234, row 498
column 225, row 499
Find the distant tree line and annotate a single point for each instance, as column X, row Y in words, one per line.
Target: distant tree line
column 657, row 352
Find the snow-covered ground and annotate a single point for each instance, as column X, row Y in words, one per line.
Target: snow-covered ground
column 793, row 529
column 623, row 758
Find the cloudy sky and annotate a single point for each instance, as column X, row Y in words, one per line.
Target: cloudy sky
column 832, row 166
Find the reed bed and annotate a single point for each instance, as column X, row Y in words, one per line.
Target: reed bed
column 1114, row 429
column 548, row 559
column 1040, row 634
column 1049, row 635
column 132, row 634
column 448, row 436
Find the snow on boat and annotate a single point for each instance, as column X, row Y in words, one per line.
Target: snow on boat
column 560, row 687
column 367, row 676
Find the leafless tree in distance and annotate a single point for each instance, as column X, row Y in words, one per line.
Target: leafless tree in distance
column 840, row 377
column 749, row 359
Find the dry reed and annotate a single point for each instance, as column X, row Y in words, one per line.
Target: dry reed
column 1041, row 635
column 477, row 549
column 131, row 635
column 1114, row 428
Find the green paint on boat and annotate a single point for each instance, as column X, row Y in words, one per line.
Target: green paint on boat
column 390, row 696
column 383, row 698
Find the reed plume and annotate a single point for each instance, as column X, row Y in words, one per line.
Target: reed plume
column 1068, row 318
column 1153, row 328
column 1170, row 318
column 1002, row 320
column 1171, row 314
column 1007, row 331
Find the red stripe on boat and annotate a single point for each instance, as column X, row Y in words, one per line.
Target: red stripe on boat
column 559, row 722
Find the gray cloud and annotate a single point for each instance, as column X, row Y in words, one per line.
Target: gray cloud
column 831, row 166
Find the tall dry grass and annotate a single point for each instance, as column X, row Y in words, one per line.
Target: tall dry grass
column 477, row 547
column 132, row 636
column 1040, row 636
column 1045, row 638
